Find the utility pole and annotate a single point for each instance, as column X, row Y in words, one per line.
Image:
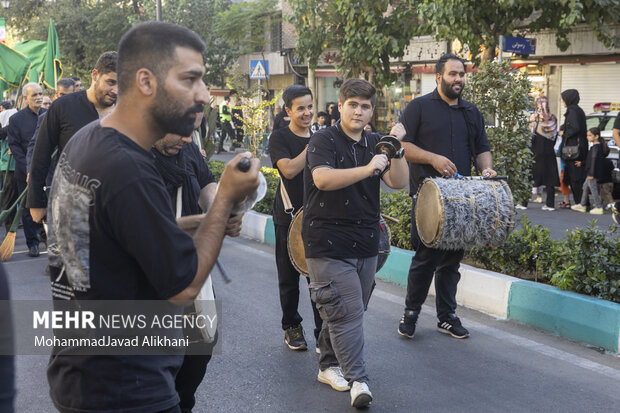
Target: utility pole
column 158, row 10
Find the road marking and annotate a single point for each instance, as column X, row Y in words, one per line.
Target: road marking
column 517, row 340
column 487, row 330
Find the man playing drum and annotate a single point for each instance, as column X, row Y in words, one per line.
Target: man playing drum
column 341, row 232
column 444, row 132
column 287, row 147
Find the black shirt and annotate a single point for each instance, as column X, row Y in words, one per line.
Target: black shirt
column 617, row 122
column 437, row 127
column 342, row 223
column 65, row 117
column 111, row 222
column 198, row 173
column 285, row 144
column 21, row 128
column 279, row 122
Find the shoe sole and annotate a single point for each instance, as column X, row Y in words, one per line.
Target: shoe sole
column 405, row 334
column 441, row 330
column 362, row 400
column 333, row 386
column 303, row 347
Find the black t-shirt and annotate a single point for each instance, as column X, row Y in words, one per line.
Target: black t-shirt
column 199, row 174
column 112, row 226
column 617, row 122
column 342, row 223
column 67, row 115
column 433, row 125
column 285, row 144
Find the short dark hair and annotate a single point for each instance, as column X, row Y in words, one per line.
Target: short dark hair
column 75, row 78
column 106, row 63
column 358, row 88
column 152, row 45
column 6, row 104
column 318, row 115
column 65, row 82
column 439, row 66
column 293, row 92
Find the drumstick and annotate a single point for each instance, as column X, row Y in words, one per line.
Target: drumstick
column 389, row 218
column 225, row 276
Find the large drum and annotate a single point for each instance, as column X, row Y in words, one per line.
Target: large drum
column 454, row 214
column 296, row 245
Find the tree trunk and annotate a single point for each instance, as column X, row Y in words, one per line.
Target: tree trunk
column 311, row 86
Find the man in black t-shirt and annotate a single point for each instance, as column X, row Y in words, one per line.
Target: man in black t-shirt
column 444, row 133
column 340, row 231
column 112, row 224
column 287, row 147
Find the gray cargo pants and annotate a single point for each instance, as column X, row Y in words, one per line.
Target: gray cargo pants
column 341, row 289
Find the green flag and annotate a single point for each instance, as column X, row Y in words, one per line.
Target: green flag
column 35, row 50
column 13, row 66
column 53, row 66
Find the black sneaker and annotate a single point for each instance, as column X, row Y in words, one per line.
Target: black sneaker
column 294, row 338
column 406, row 327
column 453, row 326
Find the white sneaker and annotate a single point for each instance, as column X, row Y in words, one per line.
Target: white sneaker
column 334, row 377
column 546, row 208
column 519, row 206
column 360, row 395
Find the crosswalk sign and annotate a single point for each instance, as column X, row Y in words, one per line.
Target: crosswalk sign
column 259, row 69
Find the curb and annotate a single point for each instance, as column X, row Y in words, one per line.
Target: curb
column 566, row 314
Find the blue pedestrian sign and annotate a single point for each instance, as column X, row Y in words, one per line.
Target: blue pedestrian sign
column 259, row 69
column 520, row 45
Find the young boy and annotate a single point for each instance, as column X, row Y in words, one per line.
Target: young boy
column 320, row 123
column 287, row 147
column 340, row 231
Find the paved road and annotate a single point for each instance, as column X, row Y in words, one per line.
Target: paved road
column 557, row 221
column 501, row 367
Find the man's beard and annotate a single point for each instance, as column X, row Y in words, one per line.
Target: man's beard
column 171, row 119
column 447, row 90
column 100, row 96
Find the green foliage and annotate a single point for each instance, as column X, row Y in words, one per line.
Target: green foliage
column 86, row 29
column 502, row 96
column 242, row 26
column 586, row 261
column 368, row 33
column 480, row 23
column 398, row 205
column 265, row 206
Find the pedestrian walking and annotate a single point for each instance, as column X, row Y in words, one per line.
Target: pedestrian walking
column 574, row 143
column 545, row 168
column 594, row 169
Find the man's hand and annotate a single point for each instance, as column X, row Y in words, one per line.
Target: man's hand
column 444, row 166
column 489, row 173
column 398, row 131
column 235, row 184
column 38, row 214
column 378, row 162
column 233, row 227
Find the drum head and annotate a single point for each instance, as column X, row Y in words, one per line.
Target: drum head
column 429, row 211
column 295, row 244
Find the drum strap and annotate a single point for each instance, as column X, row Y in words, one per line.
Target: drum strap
column 288, row 205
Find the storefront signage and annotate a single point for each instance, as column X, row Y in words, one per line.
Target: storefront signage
column 520, row 45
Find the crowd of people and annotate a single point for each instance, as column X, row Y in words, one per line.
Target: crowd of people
column 128, row 165
column 585, row 169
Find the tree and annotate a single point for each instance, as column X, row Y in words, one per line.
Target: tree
column 368, row 33
column 501, row 94
column 480, row 23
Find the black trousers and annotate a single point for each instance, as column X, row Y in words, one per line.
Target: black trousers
column 576, row 178
column 9, row 197
column 31, row 228
column 426, row 263
column 288, row 284
column 550, row 201
column 228, row 130
column 189, row 378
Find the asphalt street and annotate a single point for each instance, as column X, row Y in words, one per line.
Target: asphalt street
column 501, row 367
